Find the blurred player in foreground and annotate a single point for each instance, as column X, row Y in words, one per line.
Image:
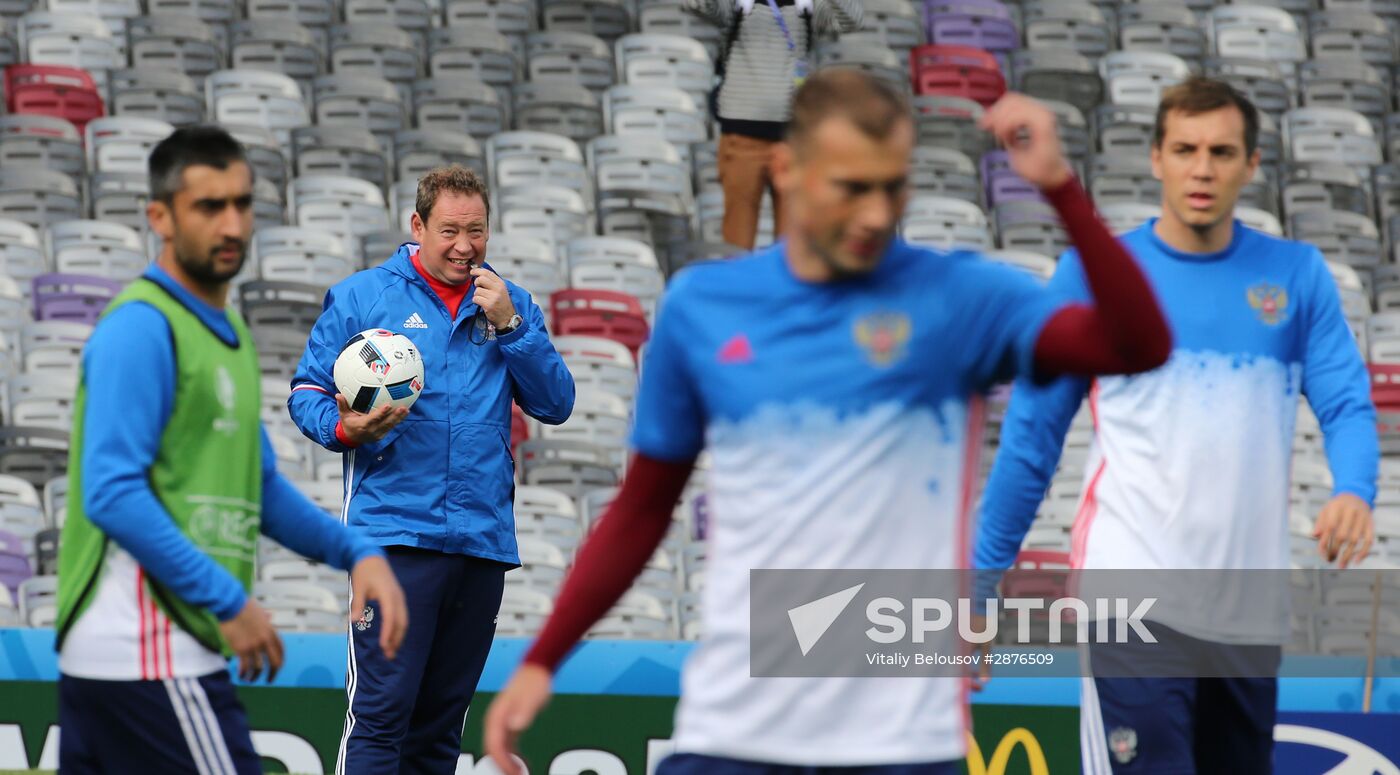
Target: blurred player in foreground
column 1189, row 467
column 833, row 378
column 171, row 479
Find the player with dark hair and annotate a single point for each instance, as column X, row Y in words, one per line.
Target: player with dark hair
column 1190, row 464
column 834, row 379
column 171, row 480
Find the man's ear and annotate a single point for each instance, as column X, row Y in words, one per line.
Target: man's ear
column 161, row 219
column 1156, row 157
column 417, row 227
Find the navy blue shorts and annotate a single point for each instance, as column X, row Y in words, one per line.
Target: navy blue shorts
column 177, row 726
column 700, row 764
column 1144, row 713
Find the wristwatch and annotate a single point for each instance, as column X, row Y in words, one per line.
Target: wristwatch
column 515, row 322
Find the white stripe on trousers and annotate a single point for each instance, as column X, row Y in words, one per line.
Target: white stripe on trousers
column 351, row 675
column 1093, row 746
column 182, row 715
column 216, row 732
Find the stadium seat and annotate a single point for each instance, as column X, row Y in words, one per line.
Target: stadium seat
column 332, row 580
column 669, row 17
column 528, row 261
column 1123, row 217
column 599, row 364
column 344, row 206
column 956, row 71
column 33, row 454
column 70, row 40
column 479, row 54
column 615, row 264
column 297, row 255
column 945, row 172
column 523, row 609
column 607, row 314
column 362, row 101
column 1347, row 238
column 637, row 616
column 1138, row 77
column 272, row 305
column 122, row 143
column 264, row 149
column 1259, row 220
column 459, row 104
column 1067, row 24
column 1034, row 264
column 344, row 151
column 945, row 223
column 120, row 197
column 277, row 45
column 668, row 61
column 572, row 467
column 542, row 566
column 572, row 56
column 893, row 23
column 217, row 14
column 38, row 600
column 1324, row 185
column 1030, row 226
column 375, row 51
column 1344, row 83
column 299, row 607
column 1351, row 34
column 982, row 24
column 160, row 94
column 1164, row 27
column 607, row 19
column 417, row 151
column 1062, row 75
column 415, row 17
column 600, row 418
column 552, row 213
column 513, row 18
column 1259, row 79
column 268, row 100
column 1257, row 32
column 1124, row 129
column 78, row 298
column 1119, row 177
column 1001, row 182
column 180, row 44
column 52, row 90
column 558, row 106
column 655, row 110
column 950, row 122
column 876, row 59
column 32, row 140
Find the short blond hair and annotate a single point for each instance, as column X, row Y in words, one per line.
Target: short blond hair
column 454, row 179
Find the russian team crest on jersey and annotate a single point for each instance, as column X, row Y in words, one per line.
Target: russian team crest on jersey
column 1270, row 302
column 884, row 336
column 366, row 620
column 1123, row 743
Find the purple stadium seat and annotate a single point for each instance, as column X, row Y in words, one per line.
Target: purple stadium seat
column 1002, row 183
column 73, row 297
column 14, row 562
column 984, row 24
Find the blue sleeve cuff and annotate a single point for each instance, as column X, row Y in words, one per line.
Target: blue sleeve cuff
column 225, row 610
column 514, row 336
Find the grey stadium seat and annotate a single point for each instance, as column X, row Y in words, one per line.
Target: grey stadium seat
column 38, row 196
column 182, row 44
column 375, row 51
column 1347, row 238
column 49, row 142
column 1326, row 186
column 1258, row 79
column 120, row 197
column 1115, row 178
column 156, row 93
column 264, row 152
column 483, row 55
column 1124, row 128
column 669, row 17
column 416, row 151
column 1352, row 34
column 945, row 172
column 1058, row 74
column 608, row 19
column 1164, row 27
column 339, row 150
column 585, row 59
column 277, row 45
column 950, row 122
column 1067, row 24
column 412, row 16
column 372, row 103
column 458, row 105
column 561, row 107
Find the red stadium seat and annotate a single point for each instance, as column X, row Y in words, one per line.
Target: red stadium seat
column 608, row 314
column 1385, row 385
column 52, row 90
column 957, row 71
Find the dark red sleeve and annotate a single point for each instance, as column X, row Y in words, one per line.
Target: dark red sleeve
column 1124, row 330
column 613, row 555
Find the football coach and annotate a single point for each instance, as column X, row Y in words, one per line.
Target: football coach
column 433, row 485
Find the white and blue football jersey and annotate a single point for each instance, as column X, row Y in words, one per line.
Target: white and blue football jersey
column 1190, row 463
column 841, row 423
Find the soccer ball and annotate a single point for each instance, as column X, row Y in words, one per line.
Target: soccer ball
column 379, row 367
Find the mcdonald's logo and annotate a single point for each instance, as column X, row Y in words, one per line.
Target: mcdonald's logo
column 1001, row 755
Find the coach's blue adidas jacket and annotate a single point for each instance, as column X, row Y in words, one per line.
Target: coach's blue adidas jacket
column 443, row 479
